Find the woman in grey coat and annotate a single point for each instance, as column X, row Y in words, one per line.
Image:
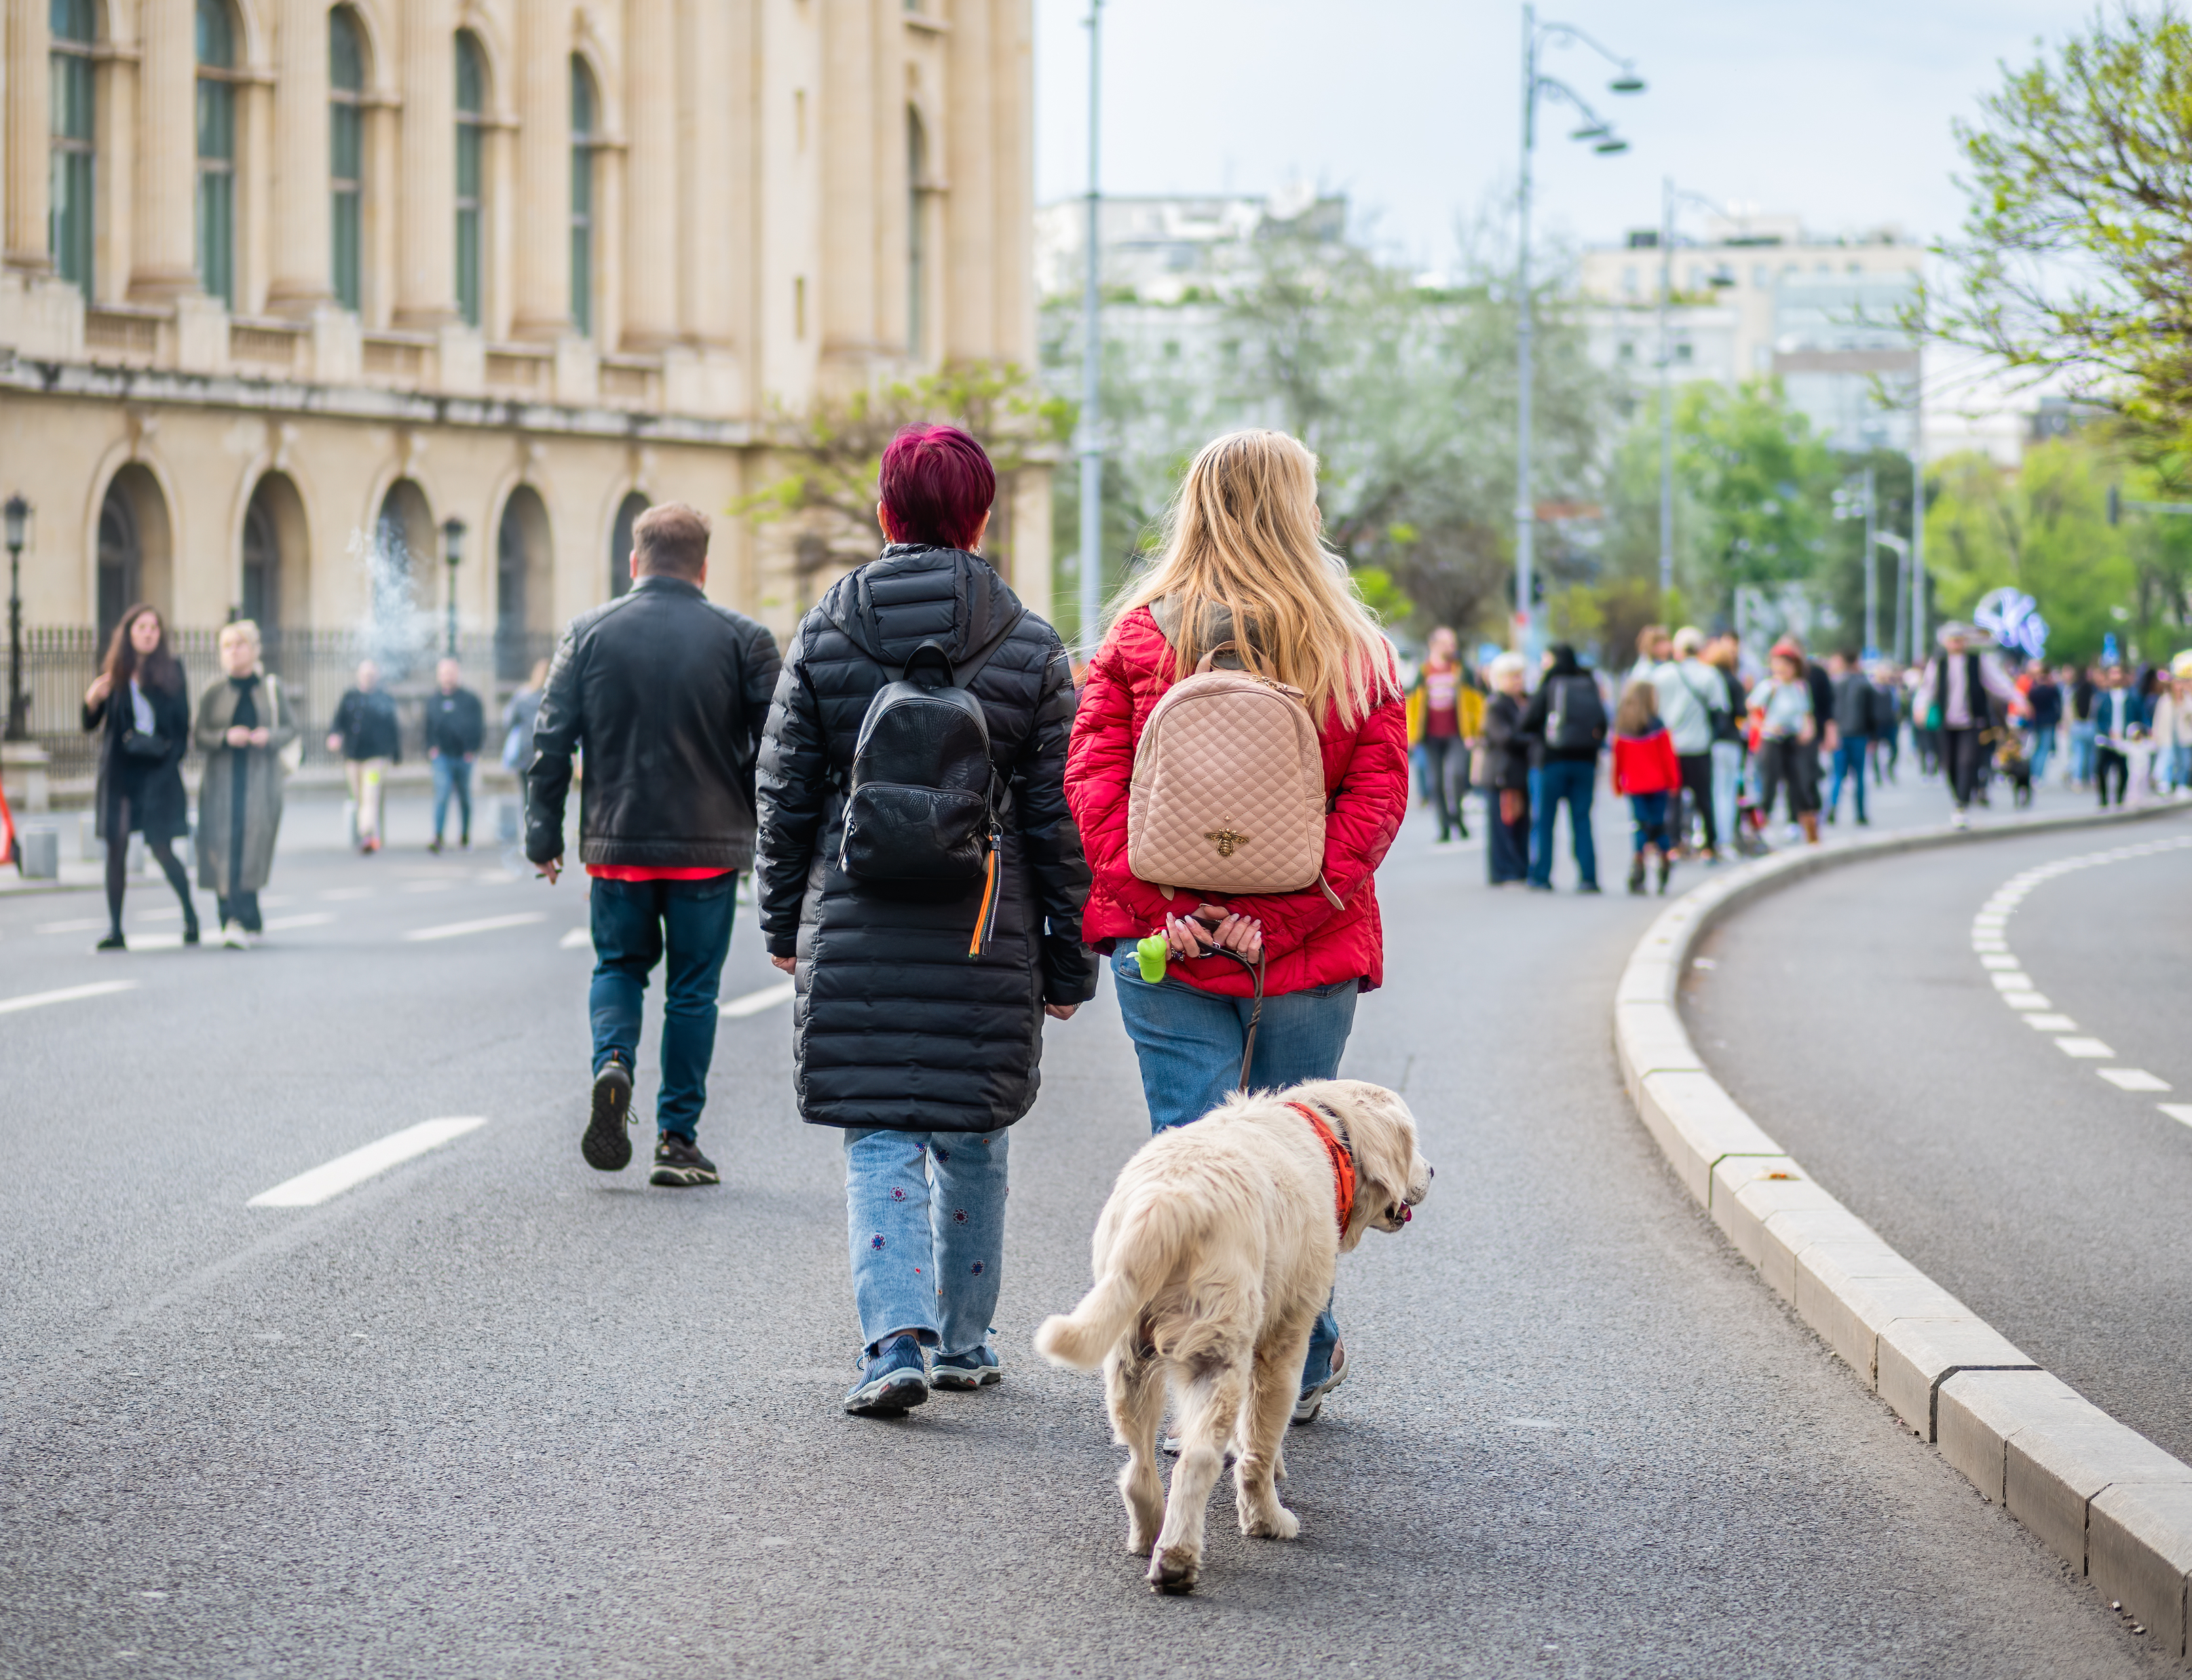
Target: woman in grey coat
column 243, row 724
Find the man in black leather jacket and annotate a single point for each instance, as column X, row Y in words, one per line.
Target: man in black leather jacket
column 667, row 693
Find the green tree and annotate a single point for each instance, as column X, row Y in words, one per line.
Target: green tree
column 1757, row 489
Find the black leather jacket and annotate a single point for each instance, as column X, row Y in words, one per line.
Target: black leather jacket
column 667, row 693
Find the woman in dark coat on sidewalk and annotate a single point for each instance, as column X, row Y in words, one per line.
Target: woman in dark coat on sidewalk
column 1507, row 782
column 923, row 1054
column 140, row 702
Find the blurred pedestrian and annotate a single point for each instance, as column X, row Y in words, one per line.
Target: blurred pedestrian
column 1788, row 736
column 2173, row 727
column 2084, row 726
column 1648, row 771
column 518, row 718
column 2120, row 725
column 366, row 733
column 456, row 723
column 1853, row 710
column 1653, row 649
column 665, row 692
column 923, row 882
column 1441, row 693
column 1724, row 653
column 140, row 704
column 1954, row 698
column 245, row 724
column 1888, row 703
column 1244, row 575
column 1690, row 697
column 2044, row 695
column 1507, row 772
column 1566, row 721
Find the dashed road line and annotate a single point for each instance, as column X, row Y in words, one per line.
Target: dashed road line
column 305, row 919
column 310, row 1189
column 2176, row 1111
column 754, row 1002
column 2133, row 1078
column 578, row 939
column 2085, row 1050
column 485, row 925
column 66, row 994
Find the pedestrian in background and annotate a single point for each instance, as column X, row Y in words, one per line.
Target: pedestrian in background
column 1653, row 648
column 1724, row 653
column 1887, row 713
column 142, row 707
column 1567, row 722
column 665, row 692
column 2084, row 725
column 1690, row 694
column 1244, row 575
column 2044, row 696
column 1648, row 771
column 1507, row 772
column 245, row 724
column 1851, row 691
column 366, row 733
column 518, row 718
column 1954, row 698
column 1442, row 730
column 918, row 1028
column 1788, row 736
column 2173, row 727
column 456, row 723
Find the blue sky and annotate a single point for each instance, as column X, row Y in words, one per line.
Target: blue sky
column 1838, row 112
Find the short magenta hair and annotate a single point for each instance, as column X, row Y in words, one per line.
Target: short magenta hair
column 937, row 484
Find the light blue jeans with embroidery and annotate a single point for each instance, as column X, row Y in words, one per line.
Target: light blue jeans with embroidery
column 925, row 1213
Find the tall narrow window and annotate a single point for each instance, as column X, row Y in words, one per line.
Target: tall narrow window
column 68, row 234
column 471, row 118
column 582, row 198
column 217, row 150
column 916, row 191
column 346, row 151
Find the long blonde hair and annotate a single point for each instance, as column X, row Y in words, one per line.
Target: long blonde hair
column 1242, row 533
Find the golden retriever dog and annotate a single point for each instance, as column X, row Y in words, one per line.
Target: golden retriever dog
column 1212, row 1258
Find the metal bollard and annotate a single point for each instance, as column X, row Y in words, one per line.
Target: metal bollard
column 41, row 847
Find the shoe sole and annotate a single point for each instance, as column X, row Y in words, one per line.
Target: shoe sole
column 892, row 1396
column 945, row 1377
column 682, row 1178
column 606, row 1145
column 1313, row 1398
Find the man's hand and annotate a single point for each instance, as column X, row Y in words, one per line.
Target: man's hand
column 784, row 965
column 551, row 869
column 259, row 737
column 237, row 736
column 335, row 743
column 1060, row 1011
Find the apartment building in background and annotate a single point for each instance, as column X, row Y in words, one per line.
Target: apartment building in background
column 288, row 285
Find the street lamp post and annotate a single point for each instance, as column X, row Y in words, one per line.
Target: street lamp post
column 18, row 516
column 1091, row 449
column 1596, row 129
column 453, row 551
column 1871, row 566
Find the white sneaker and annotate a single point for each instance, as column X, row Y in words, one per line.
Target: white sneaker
column 1960, row 819
column 233, row 936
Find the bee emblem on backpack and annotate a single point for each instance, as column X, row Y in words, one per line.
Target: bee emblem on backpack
column 1225, row 840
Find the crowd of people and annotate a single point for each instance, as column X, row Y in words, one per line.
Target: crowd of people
column 1708, row 743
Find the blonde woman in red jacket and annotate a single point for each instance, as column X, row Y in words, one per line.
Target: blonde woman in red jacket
column 1243, row 562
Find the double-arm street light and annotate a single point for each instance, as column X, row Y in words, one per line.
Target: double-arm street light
column 18, row 516
column 453, row 551
column 1536, row 37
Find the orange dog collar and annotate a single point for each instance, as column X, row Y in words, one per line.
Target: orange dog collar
column 1343, row 1164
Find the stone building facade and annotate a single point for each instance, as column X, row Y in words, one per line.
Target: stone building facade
column 284, row 281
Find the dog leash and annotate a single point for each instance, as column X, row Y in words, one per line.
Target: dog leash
column 1255, row 1015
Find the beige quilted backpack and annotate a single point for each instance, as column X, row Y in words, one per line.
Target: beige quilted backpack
column 1228, row 794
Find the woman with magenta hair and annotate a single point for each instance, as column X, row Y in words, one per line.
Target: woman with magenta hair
column 922, row 879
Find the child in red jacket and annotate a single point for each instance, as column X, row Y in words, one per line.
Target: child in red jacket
column 1644, row 769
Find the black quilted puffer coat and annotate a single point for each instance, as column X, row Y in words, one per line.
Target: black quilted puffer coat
column 894, row 1026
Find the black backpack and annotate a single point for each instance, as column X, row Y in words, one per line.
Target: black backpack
column 920, row 808
column 1576, row 721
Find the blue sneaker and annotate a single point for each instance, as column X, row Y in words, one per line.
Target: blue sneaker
column 892, row 1383
column 977, row 1370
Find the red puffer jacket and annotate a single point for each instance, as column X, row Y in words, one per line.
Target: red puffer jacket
column 1306, row 940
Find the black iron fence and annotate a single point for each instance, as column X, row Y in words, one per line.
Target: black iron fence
column 314, row 667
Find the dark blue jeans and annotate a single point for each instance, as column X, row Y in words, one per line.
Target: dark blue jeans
column 1850, row 756
column 633, row 921
column 1572, row 780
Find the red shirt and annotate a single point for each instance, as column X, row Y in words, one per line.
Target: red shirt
column 639, row 871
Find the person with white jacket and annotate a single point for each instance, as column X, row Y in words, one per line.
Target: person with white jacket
column 1689, row 692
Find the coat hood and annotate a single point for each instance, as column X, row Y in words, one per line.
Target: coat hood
column 911, row 593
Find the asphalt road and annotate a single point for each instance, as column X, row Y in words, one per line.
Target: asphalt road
column 491, row 1413
column 1852, row 1015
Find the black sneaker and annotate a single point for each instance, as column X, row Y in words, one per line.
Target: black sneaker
column 606, row 1145
column 679, row 1164
column 114, row 942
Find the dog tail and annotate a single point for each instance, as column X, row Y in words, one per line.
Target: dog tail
column 1148, row 1244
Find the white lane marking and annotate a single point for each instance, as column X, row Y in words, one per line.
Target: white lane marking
column 2025, row 1000
column 81, row 925
column 2132, row 1078
column 310, row 1189
column 335, row 895
column 270, row 901
column 2051, row 1023
column 578, row 939
column 155, row 942
column 428, row 886
column 67, row 994
column 2004, row 961
column 2176, row 1111
column 754, row 1002
column 1983, row 945
column 485, row 925
column 308, row 919
column 2087, row 1049
column 2015, row 981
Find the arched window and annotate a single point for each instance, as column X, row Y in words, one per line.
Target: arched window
column 471, row 118
column 121, row 558
column 346, row 151
column 216, row 35
column 582, row 196
column 262, row 563
column 68, row 234
column 523, row 584
column 628, row 513
column 917, row 182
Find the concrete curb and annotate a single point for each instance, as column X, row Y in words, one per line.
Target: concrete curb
column 2106, row 1500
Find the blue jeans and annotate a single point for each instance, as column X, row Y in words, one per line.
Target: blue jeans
column 1190, row 1044
column 632, row 923
column 1648, row 814
column 925, row 1216
column 2083, row 738
column 1849, row 762
column 2042, row 745
column 1572, row 780
column 453, row 774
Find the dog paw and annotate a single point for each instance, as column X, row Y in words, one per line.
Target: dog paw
column 1275, row 1521
column 1174, row 1569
